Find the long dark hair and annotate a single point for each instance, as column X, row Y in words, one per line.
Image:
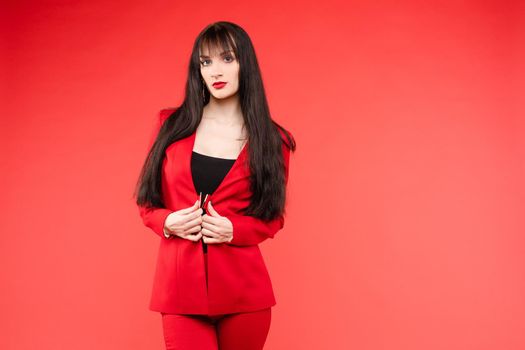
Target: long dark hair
column 265, row 156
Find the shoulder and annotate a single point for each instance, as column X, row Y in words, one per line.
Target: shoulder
column 286, row 137
column 165, row 113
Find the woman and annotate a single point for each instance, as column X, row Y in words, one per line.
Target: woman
column 213, row 187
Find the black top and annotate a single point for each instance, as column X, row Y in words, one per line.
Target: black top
column 208, row 172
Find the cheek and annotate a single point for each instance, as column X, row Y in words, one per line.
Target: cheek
column 234, row 70
column 236, row 75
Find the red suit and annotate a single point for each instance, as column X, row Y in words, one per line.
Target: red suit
column 238, row 280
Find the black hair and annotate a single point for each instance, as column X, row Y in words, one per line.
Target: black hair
column 265, row 136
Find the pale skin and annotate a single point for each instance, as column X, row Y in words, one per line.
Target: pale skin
column 220, row 134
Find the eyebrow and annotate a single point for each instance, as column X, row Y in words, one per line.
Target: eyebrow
column 222, row 54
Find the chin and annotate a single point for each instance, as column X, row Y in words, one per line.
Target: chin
column 222, row 97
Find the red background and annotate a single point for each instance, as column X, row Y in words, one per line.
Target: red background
column 405, row 226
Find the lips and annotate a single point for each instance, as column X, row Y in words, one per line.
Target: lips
column 219, row 84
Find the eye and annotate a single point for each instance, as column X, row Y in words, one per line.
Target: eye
column 203, row 62
column 231, row 57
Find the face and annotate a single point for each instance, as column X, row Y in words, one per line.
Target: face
column 220, row 67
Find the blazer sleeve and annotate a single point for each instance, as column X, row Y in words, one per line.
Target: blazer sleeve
column 155, row 217
column 249, row 230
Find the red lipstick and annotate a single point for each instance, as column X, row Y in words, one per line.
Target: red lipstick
column 219, row 84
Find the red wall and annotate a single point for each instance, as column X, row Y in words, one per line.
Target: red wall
column 405, row 226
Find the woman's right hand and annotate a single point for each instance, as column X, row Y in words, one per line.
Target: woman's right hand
column 185, row 222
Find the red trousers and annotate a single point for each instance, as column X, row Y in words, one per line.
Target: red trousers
column 238, row 331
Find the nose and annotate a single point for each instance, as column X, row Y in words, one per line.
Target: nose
column 217, row 69
column 216, row 75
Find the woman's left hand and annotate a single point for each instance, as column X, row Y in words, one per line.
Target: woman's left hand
column 216, row 228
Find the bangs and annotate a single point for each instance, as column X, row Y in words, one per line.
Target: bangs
column 217, row 41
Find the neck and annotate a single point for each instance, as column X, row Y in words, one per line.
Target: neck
column 225, row 111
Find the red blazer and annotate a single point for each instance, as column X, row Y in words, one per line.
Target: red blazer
column 238, row 280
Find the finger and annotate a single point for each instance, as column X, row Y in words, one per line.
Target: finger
column 195, row 214
column 209, row 240
column 185, row 219
column 186, row 222
column 193, row 238
column 210, row 226
column 192, row 230
column 209, row 233
column 212, row 210
column 214, row 220
column 190, row 224
column 189, row 209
